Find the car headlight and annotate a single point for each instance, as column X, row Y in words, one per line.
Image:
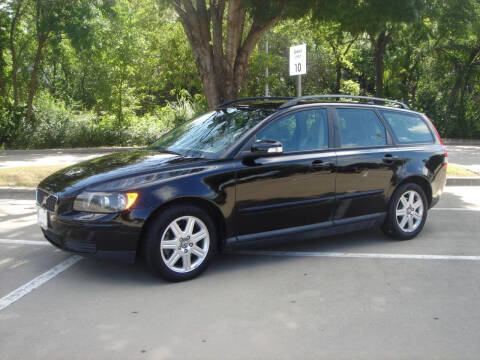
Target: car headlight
column 104, row 202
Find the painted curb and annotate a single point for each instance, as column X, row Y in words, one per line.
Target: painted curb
column 462, row 142
column 463, row 181
column 17, row 192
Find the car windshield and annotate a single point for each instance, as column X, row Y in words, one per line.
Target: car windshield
column 211, row 134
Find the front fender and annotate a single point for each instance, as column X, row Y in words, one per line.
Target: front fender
column 214, row 184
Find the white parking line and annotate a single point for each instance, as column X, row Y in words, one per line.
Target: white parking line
column 455, row 209
column 38, row 281
column 24, row 242
column 355, row 255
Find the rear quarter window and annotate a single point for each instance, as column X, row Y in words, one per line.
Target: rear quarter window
column 408, row 128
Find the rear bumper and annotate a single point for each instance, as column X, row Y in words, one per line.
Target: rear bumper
column 438, row 186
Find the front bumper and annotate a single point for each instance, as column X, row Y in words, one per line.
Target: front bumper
column 114, row 236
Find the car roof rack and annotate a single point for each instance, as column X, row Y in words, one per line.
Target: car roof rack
column 371, row 100
column 246, row 101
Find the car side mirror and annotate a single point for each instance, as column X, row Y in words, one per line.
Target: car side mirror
column 267, row 147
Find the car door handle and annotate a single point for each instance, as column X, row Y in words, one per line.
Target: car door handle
column 388, row 158
column 320, row 164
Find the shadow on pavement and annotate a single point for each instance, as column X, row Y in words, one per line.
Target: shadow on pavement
column 117, row 273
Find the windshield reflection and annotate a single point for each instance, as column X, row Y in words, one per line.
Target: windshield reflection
column 211, row 134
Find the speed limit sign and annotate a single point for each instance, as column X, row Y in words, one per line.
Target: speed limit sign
column 298, row 60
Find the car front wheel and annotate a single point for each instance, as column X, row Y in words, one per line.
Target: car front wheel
column 180, row 243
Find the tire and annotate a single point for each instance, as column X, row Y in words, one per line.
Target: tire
column 407, row 212
column 175, row 248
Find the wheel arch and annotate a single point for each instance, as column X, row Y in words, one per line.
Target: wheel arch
column 420, row 181
column 212, row 209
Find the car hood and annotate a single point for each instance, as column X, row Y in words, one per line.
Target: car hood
column 110, row 168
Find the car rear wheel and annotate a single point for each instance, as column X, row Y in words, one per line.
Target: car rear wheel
column 407, row 212
column 180, row 243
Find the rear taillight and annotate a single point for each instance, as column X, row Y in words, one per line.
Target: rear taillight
column 445, row 159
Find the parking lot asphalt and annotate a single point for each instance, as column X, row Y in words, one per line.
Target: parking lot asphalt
column 35, row 159
column 465, row 155
column 356, row 296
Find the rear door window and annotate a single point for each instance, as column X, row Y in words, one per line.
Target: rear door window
column 360, row 128
column 408, row 128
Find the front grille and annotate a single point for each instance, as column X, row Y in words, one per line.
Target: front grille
column 41, row 195
column 46, row 200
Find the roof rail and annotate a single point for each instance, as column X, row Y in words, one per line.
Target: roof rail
column 373, row 100
column 252, row 99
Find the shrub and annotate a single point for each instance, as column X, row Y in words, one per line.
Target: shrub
column 59, row 126
column 11, row 120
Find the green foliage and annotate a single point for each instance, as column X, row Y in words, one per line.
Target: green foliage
column 60, row 126
column 370, row 16
column 3, row 45
column 121, row 72
column 349, row 87
column 326, row 46
column 11, row 120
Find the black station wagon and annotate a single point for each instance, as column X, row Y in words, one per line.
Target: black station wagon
column 254, row 169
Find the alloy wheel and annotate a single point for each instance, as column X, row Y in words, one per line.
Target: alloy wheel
column 185, row 244
column 409, row 211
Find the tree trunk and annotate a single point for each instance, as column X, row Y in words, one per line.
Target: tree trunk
column 338, row 76
column 378, row 72
column 221, row 59
column 13, row 51
column 405, row 76
column 466, row 82
column 339, row 58
column 42, row 39
column 380, row 46
column 452, row 99
column 84, row 92
column 3, row 90
column 461, row 71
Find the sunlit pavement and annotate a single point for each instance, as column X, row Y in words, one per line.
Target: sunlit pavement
column 12, row 161
column 17, row 158
column 252, row 305
column 465, row 155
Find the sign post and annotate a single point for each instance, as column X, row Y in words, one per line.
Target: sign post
column 267, row 92
column 298, row 64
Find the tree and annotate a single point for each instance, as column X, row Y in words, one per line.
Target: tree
column 405, row 62
column 109, row 67
column 459, row 44
column 3, row 46
column 340, row 43
column 378, row 18
column 53, row 18
column 222, row 35
column 17, row 14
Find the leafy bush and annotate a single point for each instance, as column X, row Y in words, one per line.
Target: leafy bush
column 59, row 126
column 349, row 87
column 11, row 119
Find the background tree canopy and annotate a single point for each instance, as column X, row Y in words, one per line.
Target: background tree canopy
column 120, row 72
